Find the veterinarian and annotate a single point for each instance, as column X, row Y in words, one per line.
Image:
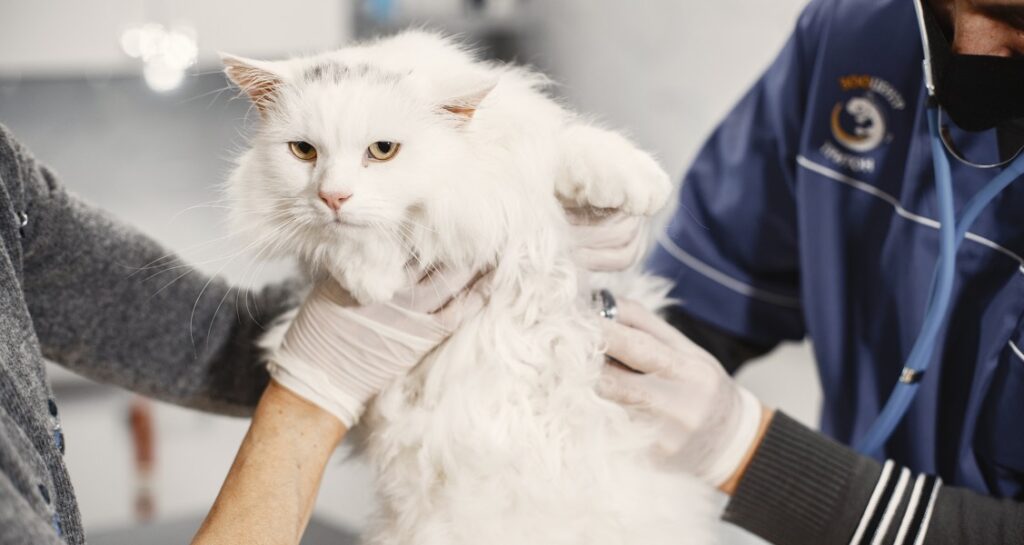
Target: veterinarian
column 79, row 288
column 811, row 212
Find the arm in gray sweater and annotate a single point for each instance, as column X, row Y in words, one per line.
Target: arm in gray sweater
column 177, row 335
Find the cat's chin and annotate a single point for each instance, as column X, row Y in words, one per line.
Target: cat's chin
column 368, row 285
column 368, row 266
column 373, row 290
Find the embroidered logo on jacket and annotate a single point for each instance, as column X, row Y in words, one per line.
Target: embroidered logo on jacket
column 858, row 122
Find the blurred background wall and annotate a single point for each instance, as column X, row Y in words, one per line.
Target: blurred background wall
column 124, row 98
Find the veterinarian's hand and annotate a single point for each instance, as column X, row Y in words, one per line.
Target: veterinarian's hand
column 611, row 242
column 339, row 355
column 709, row 424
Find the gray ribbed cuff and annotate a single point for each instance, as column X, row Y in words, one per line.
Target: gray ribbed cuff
column 802, row 488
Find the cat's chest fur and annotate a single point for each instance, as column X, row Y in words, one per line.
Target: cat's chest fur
column 499, row 437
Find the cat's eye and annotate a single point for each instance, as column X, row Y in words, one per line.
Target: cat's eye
column 382, row 151
column 304, row 151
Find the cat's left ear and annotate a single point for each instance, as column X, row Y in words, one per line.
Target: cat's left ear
column 258, row 79
column 463, row 108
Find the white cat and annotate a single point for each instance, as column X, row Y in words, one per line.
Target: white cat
column 498, row 437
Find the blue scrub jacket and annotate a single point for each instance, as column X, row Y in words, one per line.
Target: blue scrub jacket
column 809, row 212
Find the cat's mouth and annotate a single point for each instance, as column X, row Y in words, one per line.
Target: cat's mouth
column 342, row 222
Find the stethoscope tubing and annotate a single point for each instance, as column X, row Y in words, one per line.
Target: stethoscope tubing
column 951, row 234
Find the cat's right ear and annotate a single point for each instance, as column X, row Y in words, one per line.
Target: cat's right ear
column 463, row 108
column 257, row 79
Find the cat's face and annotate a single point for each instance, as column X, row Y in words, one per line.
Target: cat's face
column 359, row 171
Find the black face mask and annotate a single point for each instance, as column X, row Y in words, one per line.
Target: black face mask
column 978, row 92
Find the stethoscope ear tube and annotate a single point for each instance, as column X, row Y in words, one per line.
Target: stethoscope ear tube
column 929, row 78
column 951, row 234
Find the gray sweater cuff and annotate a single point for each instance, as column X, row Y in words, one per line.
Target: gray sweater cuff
column 800, row 486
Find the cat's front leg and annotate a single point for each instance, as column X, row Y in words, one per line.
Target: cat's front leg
column 602, row 169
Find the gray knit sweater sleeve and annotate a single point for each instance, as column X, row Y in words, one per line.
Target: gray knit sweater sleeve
column 176, row 335
column 802, row 488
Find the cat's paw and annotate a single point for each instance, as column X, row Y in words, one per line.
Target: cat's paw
column 602, row 169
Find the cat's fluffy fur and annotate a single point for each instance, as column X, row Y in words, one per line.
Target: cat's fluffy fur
column 498, row 437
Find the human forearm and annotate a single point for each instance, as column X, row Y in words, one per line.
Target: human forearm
column 268, row 495
column 801, row 487
column 334, row 358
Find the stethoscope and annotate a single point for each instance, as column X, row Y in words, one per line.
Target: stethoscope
column 951, row 233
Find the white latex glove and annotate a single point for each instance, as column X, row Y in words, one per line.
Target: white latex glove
column 339, row 355
column 708, row 422
column 605, row 242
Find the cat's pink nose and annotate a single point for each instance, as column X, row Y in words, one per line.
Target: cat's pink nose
column 334, row 199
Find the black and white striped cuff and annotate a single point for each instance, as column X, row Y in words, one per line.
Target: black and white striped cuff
column 802, row 488
column 899, row 505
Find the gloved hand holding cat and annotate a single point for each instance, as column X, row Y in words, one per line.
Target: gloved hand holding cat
column 339, row 355
column 707, row 422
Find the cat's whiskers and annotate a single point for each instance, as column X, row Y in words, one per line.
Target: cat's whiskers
column 243, row 286
column 406, row 229
column 191, row 318
column 157, row 263
column 255, row 302
column 227, row 205
column 171, row 255
column 383, row 229
column 409, row 222
column 194, row 263
column 191, row 267
column 249, row 276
